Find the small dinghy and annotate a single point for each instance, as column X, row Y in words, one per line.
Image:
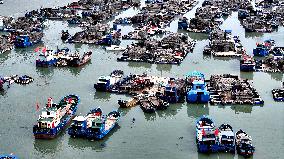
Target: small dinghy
column 244, row 144
column 24, row 80
column 11, row 156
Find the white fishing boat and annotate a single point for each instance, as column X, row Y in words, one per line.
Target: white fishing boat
column 115, row 48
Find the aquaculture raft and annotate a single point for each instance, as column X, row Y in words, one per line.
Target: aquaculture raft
column 224, row 44
column 229, row 89
column 172, row 49
column 56, row 117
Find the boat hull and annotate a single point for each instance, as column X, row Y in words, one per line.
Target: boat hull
column 50, row 133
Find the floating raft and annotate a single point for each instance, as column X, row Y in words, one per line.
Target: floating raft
column 223, row 44
column 229, row 89
column 172, row 49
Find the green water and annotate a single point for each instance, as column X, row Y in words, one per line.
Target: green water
column 165, row 134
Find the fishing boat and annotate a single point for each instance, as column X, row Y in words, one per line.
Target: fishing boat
column 146, row 106
column 127, row 103
column 263, row 49
column 56, row 117
column 226, row 138
column 107, row 83
column 76, row 61
column 27, row 40
column 98, row 128
column 11, row 156
column 65, row 35
column 278, row 94
column 247, row 63
column 206, row 135
column 25, row 79
column 173, row 92
column 244, row 144
column 79, row 124
column 115, row 48
column 158, row 103
column 197, row 92
column 49, row 58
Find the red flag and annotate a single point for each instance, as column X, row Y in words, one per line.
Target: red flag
column 203, row 132
column 44, row 50
column 37, row 106
column 70, row 100
column 37, row 49
column 216, row 132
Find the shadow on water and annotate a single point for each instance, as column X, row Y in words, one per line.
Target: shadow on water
column 278, row 76
column 253, row 34
column 197, row 110
column 45, row 72
column 102, row 95
column 225, row 58
column 194, row 36
column 216, row 156
column 77, row 70
column 246, row 75
column 4, row 56
column 150, row 116
column 99, row 145
column 243, row 108
column 172, row 110
column 164, row 67
column 46, row 146
column 139, row 64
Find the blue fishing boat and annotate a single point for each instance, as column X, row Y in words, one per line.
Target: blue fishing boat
column 174, row 92
column 183, row 23
column 244, row 144
column 11, row 156
column 247, row 63
column 56, row 117
column 100, row 127
column 226, row 138
column 27, row 40
column 197, row 93
column 79, row 124
column 263, row 49
column 206, row 135
column 49, row 58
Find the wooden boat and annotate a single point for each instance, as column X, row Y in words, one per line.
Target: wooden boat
column 76, row 61
column 146, row 106
column 244, row 144
column 129, row 103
